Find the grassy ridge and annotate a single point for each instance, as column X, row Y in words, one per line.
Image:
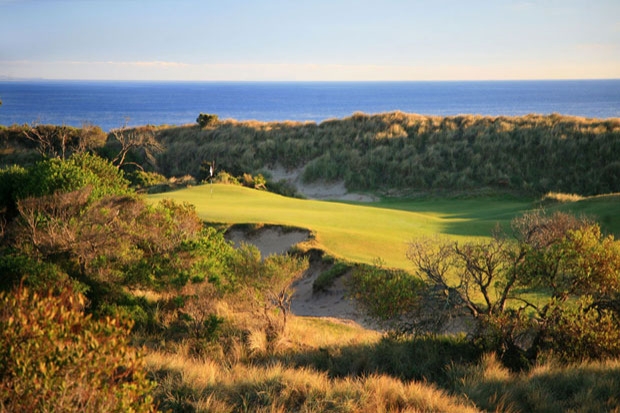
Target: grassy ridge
column 361, row 233
column 402, row 153
column 391, row 153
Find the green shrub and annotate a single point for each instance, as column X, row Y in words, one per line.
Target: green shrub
column 38, row 276
column 55, row 358
column 283, row 187
column 52, row 176
column 256, row 182
column 143, row 179
column 327, row 278
column 224, row 177
column 387, row 295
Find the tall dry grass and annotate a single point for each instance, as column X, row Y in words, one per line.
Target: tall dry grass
column 550, row 387
column 204, row 385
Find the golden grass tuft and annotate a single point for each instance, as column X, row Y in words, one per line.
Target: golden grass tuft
column 550, row 197
column 257, row 342
column 550, row 387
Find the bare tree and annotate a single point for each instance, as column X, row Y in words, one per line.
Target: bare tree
column 47, row 222
column 43, row 139
column 140, row 141
column 62, row 141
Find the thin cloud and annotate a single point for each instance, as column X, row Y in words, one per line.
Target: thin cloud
column 170, row 70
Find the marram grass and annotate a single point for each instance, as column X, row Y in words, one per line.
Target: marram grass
column 206, row 386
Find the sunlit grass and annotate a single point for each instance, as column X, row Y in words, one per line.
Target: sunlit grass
column 364, row 232
column 358, row 233
column 605, row 209
column 584, row 387
column 278, row 385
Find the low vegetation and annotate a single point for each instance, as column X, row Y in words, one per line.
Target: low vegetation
column 390, row 153
column 487, row 286
column 403, row 153
column 112, row 301
column 56, row 358
column 326, row 278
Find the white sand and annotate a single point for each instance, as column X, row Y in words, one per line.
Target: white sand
column 333, row 303
column 321, row 190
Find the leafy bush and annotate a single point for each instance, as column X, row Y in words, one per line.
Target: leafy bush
column 388, row 295
column 256, row 182
column 143, row 179
column 283, row 187
column 38, row 276
column 55, row 358
column 109, row 241
column 52, row 176
column 578, row 269
column 206, row 119
column 224, row 177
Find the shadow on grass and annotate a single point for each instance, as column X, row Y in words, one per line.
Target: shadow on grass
column 478, row 217
column 373, row 377
column 335, row 378
column 426, row 359
column 464, row 217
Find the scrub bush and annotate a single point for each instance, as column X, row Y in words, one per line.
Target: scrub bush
column 55, row 358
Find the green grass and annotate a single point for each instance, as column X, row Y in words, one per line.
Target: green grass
column 358, row 233
column 605, row 209
column 364, row 232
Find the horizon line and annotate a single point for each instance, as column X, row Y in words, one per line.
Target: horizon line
column 53, row 79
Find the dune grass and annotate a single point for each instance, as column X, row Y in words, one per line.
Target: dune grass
column 583, row 387
column 314, row 370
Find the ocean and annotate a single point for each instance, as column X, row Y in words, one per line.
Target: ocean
column 113, row 104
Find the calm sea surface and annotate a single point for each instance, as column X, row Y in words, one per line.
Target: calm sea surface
column 112, row 104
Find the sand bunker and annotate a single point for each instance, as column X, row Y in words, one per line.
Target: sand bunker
column 333, row 303
column 269, row 240
column 322, row 191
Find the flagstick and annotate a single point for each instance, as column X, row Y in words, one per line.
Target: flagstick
column 211, row 174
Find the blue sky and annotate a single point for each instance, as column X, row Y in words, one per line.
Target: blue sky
column 309, row 40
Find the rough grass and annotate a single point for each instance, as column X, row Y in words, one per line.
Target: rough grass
column 332, row 367
column 585, row 387
column 204, row 386
column 278, row 382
